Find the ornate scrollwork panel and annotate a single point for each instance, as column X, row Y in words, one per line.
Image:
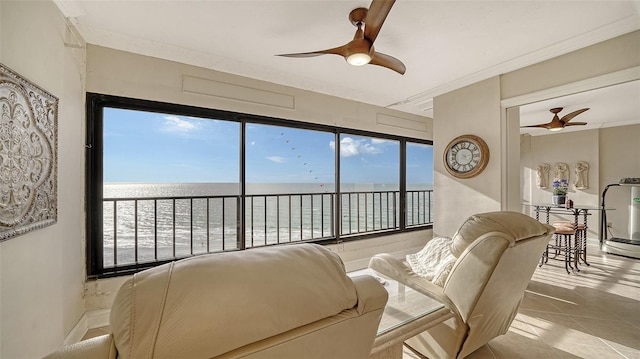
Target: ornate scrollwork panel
column 28, row 155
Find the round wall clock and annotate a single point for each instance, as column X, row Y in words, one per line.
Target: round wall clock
column 466, row 156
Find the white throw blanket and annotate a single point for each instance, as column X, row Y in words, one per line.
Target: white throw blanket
column 435, row 261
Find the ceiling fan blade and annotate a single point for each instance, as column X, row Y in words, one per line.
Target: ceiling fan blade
column 376, row 15
column 575, row 124
column 341, row 50
column 541, row 125
column 389, row 62
column 566, row 118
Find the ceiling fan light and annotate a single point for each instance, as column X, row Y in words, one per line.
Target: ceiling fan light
column 358, row 59
column 556, row 129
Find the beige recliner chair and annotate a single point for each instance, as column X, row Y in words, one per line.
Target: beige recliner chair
column 279, row 302
column 497, row 254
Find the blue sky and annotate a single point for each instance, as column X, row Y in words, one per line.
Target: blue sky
column 152, row 147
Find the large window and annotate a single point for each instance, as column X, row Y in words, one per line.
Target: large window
column 166, row 181
column 170, row 186
column 419, row 180
column 290, row 176
column 369, row 183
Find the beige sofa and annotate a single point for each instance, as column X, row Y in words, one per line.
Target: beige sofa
column 497, row 254
column 279, row 302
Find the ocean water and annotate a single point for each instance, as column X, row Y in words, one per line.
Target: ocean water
column 171, row 220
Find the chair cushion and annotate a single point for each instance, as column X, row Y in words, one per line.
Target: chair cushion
column 434, row 261
column 517, row 225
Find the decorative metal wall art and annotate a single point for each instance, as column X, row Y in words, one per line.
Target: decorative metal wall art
column 28, row 155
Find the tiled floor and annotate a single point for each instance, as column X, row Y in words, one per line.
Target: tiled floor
column 591, row 314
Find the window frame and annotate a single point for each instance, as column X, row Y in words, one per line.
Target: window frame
column 96, row 102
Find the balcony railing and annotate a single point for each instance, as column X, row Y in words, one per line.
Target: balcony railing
column 156, row 229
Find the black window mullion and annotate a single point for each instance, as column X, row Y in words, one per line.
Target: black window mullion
column 403, row 184
column 93, row 189
column 337, row 227
column 241, row 240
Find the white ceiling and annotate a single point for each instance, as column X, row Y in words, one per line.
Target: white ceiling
column 444, row 44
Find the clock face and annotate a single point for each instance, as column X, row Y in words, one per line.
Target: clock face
column 466, row 156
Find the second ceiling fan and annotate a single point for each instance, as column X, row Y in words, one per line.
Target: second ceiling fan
column 558, row 123
column 360, row 50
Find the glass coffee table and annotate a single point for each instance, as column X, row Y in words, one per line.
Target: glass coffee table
column 406, row 314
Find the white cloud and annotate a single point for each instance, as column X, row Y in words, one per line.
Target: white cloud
column 350, row 147
column 276, row 159
column 177, row 124
column 377, row 141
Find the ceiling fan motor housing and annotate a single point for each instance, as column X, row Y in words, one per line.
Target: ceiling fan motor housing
column 357, row 16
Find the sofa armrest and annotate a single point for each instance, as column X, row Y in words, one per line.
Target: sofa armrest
column 392, row 268
column 102, row 347
column 371, row 294
column 387, row 265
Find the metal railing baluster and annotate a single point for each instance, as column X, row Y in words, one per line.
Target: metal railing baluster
column 174, row 225
column 311, row 213
column 289, row 196
column 278, row 219
column 135, row 233
column 191, row 225
column 115, row 233
column 366, row 212
column 252, row 221
column 322, row 215
column 265, row 220
column 358, row 211
column 208, row 224
column 155, row 229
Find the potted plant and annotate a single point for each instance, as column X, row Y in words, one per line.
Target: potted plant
column 560, row 188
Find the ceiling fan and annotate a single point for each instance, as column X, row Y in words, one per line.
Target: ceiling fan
column 557, row 123
column 360, row 50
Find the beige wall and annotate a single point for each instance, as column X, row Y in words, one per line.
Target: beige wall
column 42, row 272
column 471, row 110
column 126, row 74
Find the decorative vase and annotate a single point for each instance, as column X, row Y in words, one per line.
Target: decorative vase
column 558, row 200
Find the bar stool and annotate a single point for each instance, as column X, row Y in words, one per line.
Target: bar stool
column 563, row 234
column 581, row 238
